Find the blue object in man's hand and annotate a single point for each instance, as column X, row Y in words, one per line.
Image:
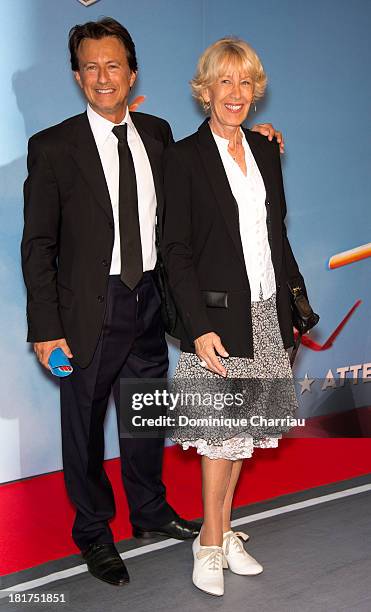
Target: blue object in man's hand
column 59, row 364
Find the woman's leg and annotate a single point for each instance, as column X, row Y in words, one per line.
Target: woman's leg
column 216, row 475
column 227, row 505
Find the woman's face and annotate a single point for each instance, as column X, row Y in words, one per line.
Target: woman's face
column 230, row 97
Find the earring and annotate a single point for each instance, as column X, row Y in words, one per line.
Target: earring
column 254, row 107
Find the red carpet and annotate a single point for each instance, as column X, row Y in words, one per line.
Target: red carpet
column 36, row 516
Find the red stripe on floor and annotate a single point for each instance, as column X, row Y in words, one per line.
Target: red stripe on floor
column 36, row 516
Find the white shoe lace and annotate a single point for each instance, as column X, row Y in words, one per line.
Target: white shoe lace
column 233, row 538
column 213, row 557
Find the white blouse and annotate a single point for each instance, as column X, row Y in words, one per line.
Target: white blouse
column 250, row 195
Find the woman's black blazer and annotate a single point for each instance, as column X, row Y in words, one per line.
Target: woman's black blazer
column 202, row 247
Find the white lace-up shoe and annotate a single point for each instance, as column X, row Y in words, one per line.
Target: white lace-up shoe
column 208, row 568
column 236, row 557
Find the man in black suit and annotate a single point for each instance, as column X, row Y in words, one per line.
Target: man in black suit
column 88, row 255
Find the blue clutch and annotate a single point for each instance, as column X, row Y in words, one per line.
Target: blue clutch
column 59, row 364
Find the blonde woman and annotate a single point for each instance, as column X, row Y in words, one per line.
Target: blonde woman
column 228, row 260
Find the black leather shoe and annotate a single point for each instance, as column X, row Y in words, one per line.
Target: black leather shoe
column 105, row 563
column 179, row 528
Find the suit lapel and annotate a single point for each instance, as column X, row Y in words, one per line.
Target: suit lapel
column 85, row 153
column 214, row 169
column 261, row 160
column 265, row 167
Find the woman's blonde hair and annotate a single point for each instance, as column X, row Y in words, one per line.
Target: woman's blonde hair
column 215, row 60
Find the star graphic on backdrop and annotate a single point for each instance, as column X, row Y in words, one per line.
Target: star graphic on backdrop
column 305, row 384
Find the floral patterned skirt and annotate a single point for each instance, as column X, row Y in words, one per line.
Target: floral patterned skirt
column 269, row 403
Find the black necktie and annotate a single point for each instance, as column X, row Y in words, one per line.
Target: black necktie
column 131, row 246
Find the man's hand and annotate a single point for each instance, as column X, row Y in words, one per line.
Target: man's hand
column 206, row 345
column 267, row 129
column 43, row 350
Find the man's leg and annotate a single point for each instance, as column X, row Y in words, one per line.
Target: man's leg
column 142, row 457
column 84, row 398
column 87, row 484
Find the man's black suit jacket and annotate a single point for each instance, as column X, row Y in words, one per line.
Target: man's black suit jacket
column 202, row 247
column 69, row 230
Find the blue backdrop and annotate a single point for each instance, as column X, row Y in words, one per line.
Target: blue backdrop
column 316, row 55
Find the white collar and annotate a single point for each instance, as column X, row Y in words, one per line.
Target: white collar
column 102, row 128
column 223, row 142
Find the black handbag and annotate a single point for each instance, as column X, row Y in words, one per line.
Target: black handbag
column 303, row 316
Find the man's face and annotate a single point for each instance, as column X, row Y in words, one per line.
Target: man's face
column 104, row 76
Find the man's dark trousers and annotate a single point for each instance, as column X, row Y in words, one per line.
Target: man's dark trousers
column 132, row 345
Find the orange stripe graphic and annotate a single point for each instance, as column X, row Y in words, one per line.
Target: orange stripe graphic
column 348, row 257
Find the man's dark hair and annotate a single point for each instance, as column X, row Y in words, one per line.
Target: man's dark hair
column 97, row 30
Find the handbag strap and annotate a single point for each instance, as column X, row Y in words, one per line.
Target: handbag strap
column 295, row 349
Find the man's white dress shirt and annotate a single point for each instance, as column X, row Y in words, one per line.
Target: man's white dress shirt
column 249, row 193
column 106, row 143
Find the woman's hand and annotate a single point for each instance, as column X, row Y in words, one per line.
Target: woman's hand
column 267, row 129
column 206, row 345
